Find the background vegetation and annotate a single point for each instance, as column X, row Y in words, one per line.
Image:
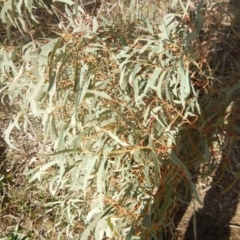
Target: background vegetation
column 113, row 112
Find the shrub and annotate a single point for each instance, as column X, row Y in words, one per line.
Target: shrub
column 125, row 127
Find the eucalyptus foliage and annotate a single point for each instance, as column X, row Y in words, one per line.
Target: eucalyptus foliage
column 117, row 105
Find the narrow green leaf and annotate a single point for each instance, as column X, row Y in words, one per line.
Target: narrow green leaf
column 100, row 94
column 91, row 162
column 190, row 37
column 101, row 178
column 200, row 18
column 160, row 83
column 232, row 184
column 195, row 194
column 69, row 2
column 151, row 81
column 41, row 171
column 87, row 232
column 134, row 82
column 115, row 138
column 95, row 24
column 174, row 159
column 61, row 140
column 81, row 86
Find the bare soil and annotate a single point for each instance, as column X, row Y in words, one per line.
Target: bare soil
column 218, row 218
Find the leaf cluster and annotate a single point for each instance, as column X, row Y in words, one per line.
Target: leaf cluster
column 120, row 112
